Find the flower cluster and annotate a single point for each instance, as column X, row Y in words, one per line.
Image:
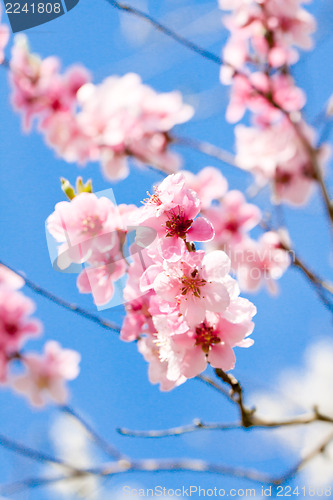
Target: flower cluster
column 83, row 122
column 256, row 262
column 181, row 303
column 46, row 375
column 276, row 148
column 91, row 231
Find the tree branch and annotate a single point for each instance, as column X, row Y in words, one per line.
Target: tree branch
column 167, row 31
column 302, row 463
column 104, row 323
column 107, row 447
column 207, row 149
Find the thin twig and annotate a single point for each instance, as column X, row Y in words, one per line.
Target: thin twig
column 256, row 423
column 104, row 323
column 313, row 156
column 33, row 454
column 107, row 447
column 302, row 463
column 178, row 431
column 207, row 149
column 211, row 383
column 167, row 31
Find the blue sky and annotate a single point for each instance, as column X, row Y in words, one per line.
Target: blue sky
column 113, row 389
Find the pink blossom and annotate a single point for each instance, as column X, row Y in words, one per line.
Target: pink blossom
column 209, row 185
column 279, row 89
column 123, row 117
column 213, row 340
column 63, row 133
column 158, row 367
column 176, row 352
column 232, row 219
column 277, row 155
column 10, row 279
column 46, row 375
column 39, row 90
column 84, row 225
column 98, row 279
column 171, row 211
column 138, row 318
column 197, row 282
column 16, row 325
column 261, row 262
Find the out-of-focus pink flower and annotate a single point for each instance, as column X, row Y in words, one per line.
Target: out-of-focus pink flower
column 159, row 371
column 138, row 320
column 278, row 89
column 197, row 282
column 277, row 155
column 39, row 90
column 261, row 262
column 10, row 279
column 98, row 279
column 209, row 185
column 46, row 375
column 125, row 118
column 171, row 211
column 63, row 133
column 16, row 325
column 84, row 225
column 232, row 219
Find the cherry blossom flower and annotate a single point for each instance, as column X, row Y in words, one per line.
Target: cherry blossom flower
column 10, row 279
column 16, row 325
column 125, row 118
column 198, row 282
column 232, row 219
column 46, row 375
column 276, row 154
column 277, row 90
column 212, row 340
column 171, row 211
column 84, row 225
column 260, row 262
column 98, row 279
column 39, row 90
column 159, row 371
column 209, row 185
column 138, row 319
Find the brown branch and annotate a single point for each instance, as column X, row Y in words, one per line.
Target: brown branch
column 104, row 323
column 236, row 395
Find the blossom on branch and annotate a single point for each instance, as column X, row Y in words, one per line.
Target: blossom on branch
column 46, row 375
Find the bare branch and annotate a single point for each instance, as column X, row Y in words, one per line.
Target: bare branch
column 302, row 463
column 207, row 149
column 107, row 447
column 211, row 383
column 178, row 431
column 167, row 31
column 104, row 323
